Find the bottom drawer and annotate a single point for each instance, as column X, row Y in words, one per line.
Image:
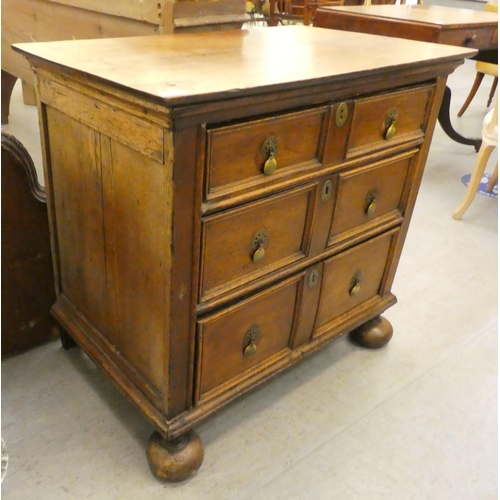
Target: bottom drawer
column 352, row 277
column 243, row 336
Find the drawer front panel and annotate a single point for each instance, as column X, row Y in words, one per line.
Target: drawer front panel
column 479, row 38
column 239, row 153
column 369, row 193
column 243, row 244
column 352, row 278
column 246, row 335
column 373, row 117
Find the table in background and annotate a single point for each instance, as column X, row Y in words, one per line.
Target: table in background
column 49, row 20
column 427, row 23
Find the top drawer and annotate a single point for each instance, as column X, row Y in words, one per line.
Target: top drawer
column 388, row 119
column 250, row 153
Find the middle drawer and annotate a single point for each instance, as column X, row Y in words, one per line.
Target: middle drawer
column 243, row 244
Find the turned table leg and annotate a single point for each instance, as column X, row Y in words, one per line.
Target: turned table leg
column 177, row 459
column 374, row 334
column 445, row 122
column 8, row 82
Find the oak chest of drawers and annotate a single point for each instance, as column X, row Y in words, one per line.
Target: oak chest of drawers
column 223, row 204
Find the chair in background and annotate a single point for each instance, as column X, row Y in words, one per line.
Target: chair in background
column 28, row 290
column 482, row 69
column 490, row 142
column 301, row 11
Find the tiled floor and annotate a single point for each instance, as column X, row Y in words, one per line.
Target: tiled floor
column 415, row 420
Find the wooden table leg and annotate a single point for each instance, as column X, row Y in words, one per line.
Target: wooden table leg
column 445, row 122
column 8, row 82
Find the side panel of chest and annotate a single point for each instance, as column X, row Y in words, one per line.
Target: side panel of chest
column 112, row 257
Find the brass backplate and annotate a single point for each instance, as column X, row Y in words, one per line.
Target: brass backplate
column 371, row 196
column 270, row 147
column 371, row 202
column 391, row 117
column 355, row 284
column 259, row 239
column 249, row 347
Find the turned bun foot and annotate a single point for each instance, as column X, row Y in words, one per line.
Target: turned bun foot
column 175, row 460
column 375, row 333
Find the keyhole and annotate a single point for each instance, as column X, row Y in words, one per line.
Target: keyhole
column 313, row 279
column 327, row 190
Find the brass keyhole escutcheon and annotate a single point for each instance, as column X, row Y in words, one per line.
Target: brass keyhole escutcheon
column 355, row 284
column 249, row 341
column 269, row 151
column 326, row 190
column 390, row 123
column 341, row 114
column 258, row 241
column 371, row 202
column 313, row 278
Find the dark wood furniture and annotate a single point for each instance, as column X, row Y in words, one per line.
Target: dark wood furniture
column 301, row 11
column 483, row 68
column 218, row 214
column 430, row 23
column 27, row 278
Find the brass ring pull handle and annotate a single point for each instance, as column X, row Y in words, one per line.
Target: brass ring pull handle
column 270, row 166
column 470, row 39
column 258, row 241
column 269, row 151
column 371, row 202
column 249, row 341
column 355, row 284
column 259, row 254
column 390, row 124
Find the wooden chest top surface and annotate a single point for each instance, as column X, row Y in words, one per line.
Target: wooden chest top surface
column 199, row 67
